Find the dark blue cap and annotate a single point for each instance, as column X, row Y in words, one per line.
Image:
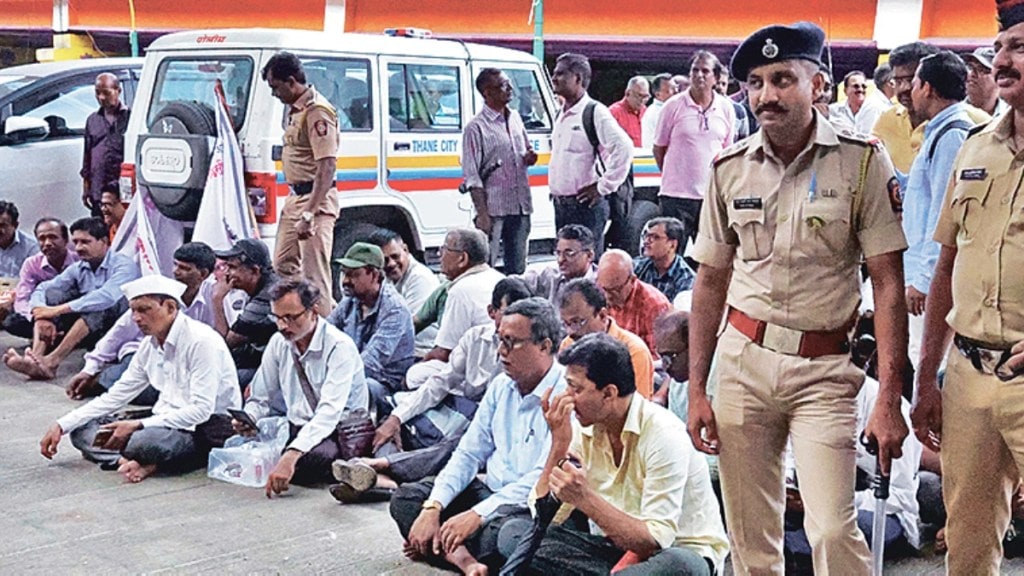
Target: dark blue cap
column 801, row 41
column 1010, row 13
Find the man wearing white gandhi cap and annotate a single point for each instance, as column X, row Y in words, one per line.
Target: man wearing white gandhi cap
column 190, row 366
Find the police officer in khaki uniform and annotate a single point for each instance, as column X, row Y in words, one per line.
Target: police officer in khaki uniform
column 788, row 215
column 978, row 419
column 305, row 233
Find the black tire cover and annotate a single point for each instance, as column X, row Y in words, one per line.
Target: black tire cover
column 183, row 118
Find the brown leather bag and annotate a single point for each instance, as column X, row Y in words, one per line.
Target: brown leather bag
column 355, row 429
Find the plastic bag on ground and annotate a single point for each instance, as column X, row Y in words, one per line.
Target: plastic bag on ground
column 248, row 461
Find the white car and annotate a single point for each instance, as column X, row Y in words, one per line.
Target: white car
column 43, row 108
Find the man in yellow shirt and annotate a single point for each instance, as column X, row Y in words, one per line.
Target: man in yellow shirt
column 646, row 495
column 901, row 128
column 584, row 310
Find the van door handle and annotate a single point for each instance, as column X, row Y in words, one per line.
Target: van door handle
column 402, row 146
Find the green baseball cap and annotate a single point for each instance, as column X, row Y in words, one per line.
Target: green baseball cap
column 361, row 255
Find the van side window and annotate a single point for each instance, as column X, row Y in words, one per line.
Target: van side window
column 64, row 107
column 346, row 84
column 424, row 97
column 528, row 100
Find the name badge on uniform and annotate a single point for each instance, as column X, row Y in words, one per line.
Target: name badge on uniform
column 973, row 174
column 747, row 204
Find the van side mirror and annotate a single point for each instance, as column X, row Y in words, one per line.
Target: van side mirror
column 24, row 129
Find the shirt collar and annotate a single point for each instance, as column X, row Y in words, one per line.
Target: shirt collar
column 205, row 290
column 634, row 419
column 316, row 344
column 305, row 99
column 70, row 258
column 1002, row 128
column 550, row 380
column 474, row 270
column 494, row 115
column 577, row 108
column 936, row 122
column 175, row 333
column 824, row 135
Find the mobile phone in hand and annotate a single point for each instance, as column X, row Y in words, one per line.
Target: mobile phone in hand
column 102, row 437
column 243, row 417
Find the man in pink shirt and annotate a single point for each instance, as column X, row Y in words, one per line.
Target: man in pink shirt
column 695, row 125
column 53, row 257
column 629, row 111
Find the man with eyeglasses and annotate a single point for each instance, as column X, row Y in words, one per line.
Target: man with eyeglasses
column 334, row 370
column 982, row 92
column 584, row 310
column 575, row 259
column 629, row 111
column 456, row 517
column 901, row 128
column 694, row 126
column 671, row 332
column 662, row 264
column 633, row 303
column 248, row 268
column 373, row 315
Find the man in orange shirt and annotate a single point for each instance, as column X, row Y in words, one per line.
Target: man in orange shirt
column 584, row 310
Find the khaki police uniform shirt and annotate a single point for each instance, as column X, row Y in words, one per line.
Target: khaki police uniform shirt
column 794, row 235
column 983, row 217
column 311, row 134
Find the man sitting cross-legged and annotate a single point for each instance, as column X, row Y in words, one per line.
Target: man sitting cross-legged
column 83, row 302
column 647, row 496
column 456, row 517
column 417, row 436
column 311, row 373
column 187, row 363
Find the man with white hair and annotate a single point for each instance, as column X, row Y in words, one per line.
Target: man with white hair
column 189, row 365
column 629, row 111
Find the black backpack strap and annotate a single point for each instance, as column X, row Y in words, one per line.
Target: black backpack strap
column 591, row 130
column 954, row 125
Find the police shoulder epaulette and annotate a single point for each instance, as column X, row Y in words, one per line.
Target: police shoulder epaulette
column 735, row 149
column 977, row 129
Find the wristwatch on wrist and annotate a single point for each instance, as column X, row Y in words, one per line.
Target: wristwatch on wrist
column 307, row 216
column 432, row 505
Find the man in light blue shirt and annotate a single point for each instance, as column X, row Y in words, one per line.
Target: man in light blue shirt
column 938, row 91
column 82, row 302
column 456, row 516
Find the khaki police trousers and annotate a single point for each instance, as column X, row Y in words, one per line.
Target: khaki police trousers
column 982, row 459
column 763, row 399
column 310, row 258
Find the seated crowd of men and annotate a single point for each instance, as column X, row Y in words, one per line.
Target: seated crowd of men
column 491, row 388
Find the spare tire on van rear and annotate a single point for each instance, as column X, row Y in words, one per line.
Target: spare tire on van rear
column 174, row 157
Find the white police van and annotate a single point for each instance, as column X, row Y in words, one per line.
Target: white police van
column 402, row 104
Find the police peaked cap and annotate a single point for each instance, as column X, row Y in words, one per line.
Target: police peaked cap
column 800, row 41
column 1010, row 13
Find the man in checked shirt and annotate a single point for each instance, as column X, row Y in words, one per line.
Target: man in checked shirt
column 495, row 157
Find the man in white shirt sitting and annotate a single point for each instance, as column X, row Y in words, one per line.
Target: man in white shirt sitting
column 104, row 364
column 188, row 364
column 334, row 371
column 414, row 281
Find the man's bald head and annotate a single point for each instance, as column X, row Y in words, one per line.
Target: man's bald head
column 671, row 336
column 615, row 276
column 108, row 92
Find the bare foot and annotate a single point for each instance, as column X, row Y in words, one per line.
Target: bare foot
column 47, row 368
column 477, row 569
column 10, row 353
column 28, row 365
column 411, row 552
column 134, row 472
column 940, row 541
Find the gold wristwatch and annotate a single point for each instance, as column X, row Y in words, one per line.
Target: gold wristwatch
column 432, row 505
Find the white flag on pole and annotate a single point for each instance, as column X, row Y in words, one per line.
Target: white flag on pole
column 137, row 239
column 225, row 215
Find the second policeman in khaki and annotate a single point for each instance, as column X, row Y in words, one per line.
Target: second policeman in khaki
column 788, row 216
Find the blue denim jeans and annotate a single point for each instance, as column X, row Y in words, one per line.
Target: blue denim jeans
column 569, row 211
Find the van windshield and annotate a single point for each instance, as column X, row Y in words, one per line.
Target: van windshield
column 188, row 79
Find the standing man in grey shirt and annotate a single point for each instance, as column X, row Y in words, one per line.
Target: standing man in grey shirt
column 495, row 156
column 104, row 141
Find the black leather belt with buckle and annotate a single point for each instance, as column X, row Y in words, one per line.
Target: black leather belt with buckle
column 986, row 359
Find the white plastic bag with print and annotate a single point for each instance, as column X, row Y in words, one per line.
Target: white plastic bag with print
column 248, row 461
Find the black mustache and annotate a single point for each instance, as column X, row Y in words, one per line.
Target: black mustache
column 1007, row 72
column 770, row 108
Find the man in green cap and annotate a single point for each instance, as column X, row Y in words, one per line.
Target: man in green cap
column 373, row 314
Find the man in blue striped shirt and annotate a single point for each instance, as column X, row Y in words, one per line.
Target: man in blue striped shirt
column 938, row 91
column 456, row 516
